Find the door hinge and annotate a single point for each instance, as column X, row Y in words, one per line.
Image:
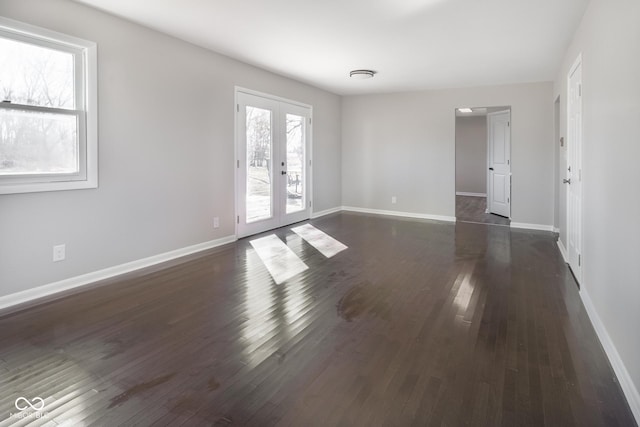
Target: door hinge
column 579, row 90
column 579, row 174
column 508, row 162
column 309, row 120
column 579, row 260
column 508, row 124
column 508, row 200
column 238, row 164
column 238, row 108
column 238, row 219
column 309, row 203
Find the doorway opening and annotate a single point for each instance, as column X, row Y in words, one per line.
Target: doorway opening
column 483, row 165
column 273, row 162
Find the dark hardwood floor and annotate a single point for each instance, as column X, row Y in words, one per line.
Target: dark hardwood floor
column 417, row 323
column 473, row 209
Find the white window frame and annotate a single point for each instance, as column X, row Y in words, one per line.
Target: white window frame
column 86, row 110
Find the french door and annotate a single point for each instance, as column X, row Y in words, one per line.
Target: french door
column 272, row 163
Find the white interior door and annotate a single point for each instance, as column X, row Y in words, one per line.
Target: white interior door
column 574, row 170
column 273, row 163
column 499, row 163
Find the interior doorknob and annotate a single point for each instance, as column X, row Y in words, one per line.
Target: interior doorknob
column 283, row 172
column 567, row 181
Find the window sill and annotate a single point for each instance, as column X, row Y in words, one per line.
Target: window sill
column 39, row 187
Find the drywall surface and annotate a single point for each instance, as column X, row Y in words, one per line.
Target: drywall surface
column 471, row 154
column 166, row 152
column 403, row 145
column 609, row 40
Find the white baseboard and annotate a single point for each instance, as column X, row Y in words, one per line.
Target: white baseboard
column 527, row 226
column 624, row 378
column 400, row 214
column 563, row 250
column 462, row 193
column 325, row 212
column 556, row 230
column 89, row 278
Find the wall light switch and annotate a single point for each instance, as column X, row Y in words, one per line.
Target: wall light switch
column 216, row 222
column 393, row 199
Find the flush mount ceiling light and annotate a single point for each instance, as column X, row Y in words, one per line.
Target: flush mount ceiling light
column 465, row 110
column 362, row 74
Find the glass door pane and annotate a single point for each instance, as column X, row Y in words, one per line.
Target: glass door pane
column 259, row 137
column 295, row 152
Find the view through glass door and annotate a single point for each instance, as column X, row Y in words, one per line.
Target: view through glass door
column 273, row 140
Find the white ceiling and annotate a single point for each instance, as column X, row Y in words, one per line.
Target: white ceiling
column 412, row 44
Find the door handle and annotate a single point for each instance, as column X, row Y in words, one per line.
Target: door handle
column 490, row 169
column 283, row 173
column 566, row 181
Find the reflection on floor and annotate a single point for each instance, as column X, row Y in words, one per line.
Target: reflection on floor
column 281, row 262
column 473, row 209
column 418, row 323
column 325, row 244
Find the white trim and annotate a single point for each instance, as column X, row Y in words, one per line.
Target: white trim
column 576, row 63
column 556, row 230
column 527, row 226
column 400, row 214
column 563, row 250
column 27, row 30
column 480, row 223
column 272, row 97
column 325, row 212
column 463, row 193
column 624, row 378
column 89, row 278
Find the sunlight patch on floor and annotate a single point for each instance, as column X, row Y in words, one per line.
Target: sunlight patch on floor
column 320, row 240
column 281, row 262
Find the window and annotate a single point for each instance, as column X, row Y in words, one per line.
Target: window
column 48, row 110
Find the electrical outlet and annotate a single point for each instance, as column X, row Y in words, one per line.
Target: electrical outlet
column 393, row 199
column 216, row 222
column 59, row 253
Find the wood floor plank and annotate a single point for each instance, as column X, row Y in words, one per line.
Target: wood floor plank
column 416, row 323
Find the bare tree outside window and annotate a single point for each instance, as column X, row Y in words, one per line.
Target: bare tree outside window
column 295, row 160
column 259, row 145
column 36, row 142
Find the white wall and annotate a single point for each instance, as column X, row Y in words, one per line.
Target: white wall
column 471, row 154
column 166, row 144
column 609, row 40
column 403, row 144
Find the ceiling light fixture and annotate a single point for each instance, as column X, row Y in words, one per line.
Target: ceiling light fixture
column 465, row 110
column 362, row 74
